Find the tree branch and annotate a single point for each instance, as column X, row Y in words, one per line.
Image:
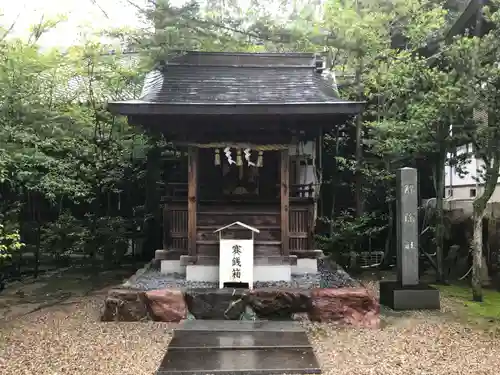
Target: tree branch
column 9, row 30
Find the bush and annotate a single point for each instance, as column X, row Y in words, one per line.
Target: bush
column 10, row 241
column 350, row 234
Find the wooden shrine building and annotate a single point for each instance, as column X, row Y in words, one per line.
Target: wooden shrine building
column 251, row 127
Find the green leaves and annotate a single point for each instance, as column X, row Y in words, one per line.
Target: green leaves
column 10, row 241
column 59, row 147
column 49, row 142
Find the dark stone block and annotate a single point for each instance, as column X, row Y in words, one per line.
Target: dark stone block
column 239, row 326
column 184, row 340
column 416, row 297
column 215, row 303
column 125, row 305
column 278, row 304
column 235, row 309
column 233, row 362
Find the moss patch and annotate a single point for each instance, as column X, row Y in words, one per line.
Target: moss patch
column 462, row 295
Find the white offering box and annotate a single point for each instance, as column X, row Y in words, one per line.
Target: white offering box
column 236, row 244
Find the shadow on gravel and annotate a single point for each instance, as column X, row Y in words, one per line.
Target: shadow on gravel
column 59, row 287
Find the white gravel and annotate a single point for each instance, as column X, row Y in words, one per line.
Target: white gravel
column 153, row 279
column 69, row 340
column 329, row 276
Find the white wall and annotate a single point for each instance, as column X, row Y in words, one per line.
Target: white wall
column 305, row 148
column 305, row 173
column 463, row 187
column 452, row 178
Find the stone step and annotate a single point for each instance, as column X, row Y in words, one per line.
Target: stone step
column 239, row 326
column 234, row 362
column 277, row 260
column 208, row 340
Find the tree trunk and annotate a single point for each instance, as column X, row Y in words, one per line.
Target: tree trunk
column 359, row 127
column 477, row 254
column 390, row 223
column 152, row 229
column 359, row 146
column 480, row 202
column 34, row 207
column 479, row 207
column 333, row 182
column 439, row 186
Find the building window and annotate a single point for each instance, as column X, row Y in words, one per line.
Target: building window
column 461, row 149
column 472, row 193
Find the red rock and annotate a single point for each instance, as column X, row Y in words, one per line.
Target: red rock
column 352, row 306
column 166, row 305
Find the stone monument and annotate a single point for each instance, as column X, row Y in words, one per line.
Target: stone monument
column 407, row 293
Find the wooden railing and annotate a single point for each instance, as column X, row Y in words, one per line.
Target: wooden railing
column 175, row 226
column 301, row 226
column 301, row 190
column 176, row 190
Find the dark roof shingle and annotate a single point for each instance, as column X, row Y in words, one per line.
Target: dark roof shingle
column 244, row 83
column 217, row 84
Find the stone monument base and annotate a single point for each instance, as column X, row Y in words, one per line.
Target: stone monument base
column 412, row 297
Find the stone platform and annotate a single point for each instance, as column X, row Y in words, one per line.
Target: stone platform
column 414, row 297
column 351, row 306
column 269, row 268
column 236, row 347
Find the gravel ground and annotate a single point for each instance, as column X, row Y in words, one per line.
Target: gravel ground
column 414, row 346
column 69, row 339
column 329, row 276
column 333, row 276
column 153, row 279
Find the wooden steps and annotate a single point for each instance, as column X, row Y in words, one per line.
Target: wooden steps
column 267, row 242
column 267, row 219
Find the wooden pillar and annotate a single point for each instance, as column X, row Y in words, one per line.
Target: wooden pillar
column 192, row 198
column 284, row 198
column 166, row 227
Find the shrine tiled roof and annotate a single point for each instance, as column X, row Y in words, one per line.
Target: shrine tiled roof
column 188, row 84
column 236, row 79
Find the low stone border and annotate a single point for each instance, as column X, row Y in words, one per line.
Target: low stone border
column 141, row 271
column 350, row 306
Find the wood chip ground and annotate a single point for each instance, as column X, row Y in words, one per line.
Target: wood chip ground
column 69, row 339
